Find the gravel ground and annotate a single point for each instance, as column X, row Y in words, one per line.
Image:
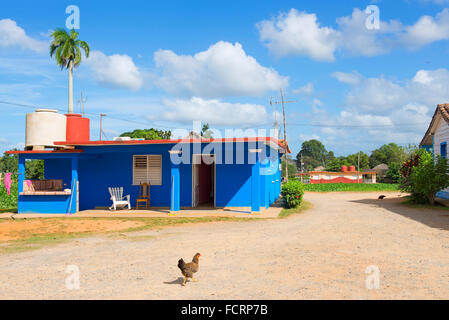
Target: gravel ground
column 321, row 254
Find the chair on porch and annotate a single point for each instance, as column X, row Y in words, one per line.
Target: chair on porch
column 118, row 200
column 144, row 196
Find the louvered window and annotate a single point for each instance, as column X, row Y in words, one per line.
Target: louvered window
column 147, row 168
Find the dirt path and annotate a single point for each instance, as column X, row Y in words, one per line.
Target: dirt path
column 322, row 253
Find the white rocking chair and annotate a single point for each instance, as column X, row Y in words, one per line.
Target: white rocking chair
column 118, row 200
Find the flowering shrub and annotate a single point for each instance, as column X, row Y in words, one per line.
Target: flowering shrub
column 293, row 192
column 423, row 176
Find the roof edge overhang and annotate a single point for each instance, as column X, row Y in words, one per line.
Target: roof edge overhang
column 441, row 112
column 271, row 141
column 43, row 151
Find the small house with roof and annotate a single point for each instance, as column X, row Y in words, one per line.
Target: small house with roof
column 183, row 173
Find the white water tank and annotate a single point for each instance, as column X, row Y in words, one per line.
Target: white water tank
column 43, row 128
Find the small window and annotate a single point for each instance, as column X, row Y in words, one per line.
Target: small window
column 147, row 168
column 443, row 150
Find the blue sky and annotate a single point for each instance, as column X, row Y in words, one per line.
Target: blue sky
column 165, row 64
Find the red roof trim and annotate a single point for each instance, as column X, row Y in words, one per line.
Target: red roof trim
column 42, row 151
column 167, row 141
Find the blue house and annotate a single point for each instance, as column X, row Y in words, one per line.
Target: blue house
column 184, row 173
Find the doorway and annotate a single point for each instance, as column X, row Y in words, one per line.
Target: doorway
column 203, row 181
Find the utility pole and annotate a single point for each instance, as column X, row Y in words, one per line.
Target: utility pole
column 358, row 167
column 101, row 122
column 283, row 102
column 275, row 119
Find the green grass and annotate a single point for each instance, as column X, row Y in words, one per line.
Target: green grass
column 305, row 205
column 332, row 187
column 30, row 241
column 12, row 210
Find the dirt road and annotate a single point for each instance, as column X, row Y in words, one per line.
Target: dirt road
column 323, row 253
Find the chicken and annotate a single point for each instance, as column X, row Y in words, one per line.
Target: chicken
column 188, row 269
column 381, row 197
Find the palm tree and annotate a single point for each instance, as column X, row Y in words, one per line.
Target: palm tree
column 66, row 49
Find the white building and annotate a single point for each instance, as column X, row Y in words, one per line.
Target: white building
column 436, row 138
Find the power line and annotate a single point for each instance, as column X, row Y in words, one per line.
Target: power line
column 87, row 113
column 249, row 126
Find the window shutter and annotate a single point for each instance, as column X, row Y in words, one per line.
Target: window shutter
column 147, row 168
column 155, row 169
column 140, row 169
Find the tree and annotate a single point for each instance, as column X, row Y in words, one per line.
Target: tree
column 313, row 154
column 427, row 177
column 292, row 170
column 393, row 174
column 205, row 132
column 9, row 163
column 34, row 169
column 388, row 153
column 353, row 159
column 66, row 49
column 148, row 134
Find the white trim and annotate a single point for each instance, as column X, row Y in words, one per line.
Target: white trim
column 175, row 151
column 255, row 150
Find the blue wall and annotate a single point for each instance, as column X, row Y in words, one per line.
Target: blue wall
column 56, row 166
column 112, row 166
column 101, row 167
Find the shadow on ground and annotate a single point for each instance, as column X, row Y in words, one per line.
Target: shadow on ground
column 179, row 281
column 436, row 218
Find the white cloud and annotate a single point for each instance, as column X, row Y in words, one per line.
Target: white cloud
column 344, row 77
column 380, row 110
column 223, row 70
column 299, row 33
column 427, row 30
column 308, row 89
column 356, row 38
column 213, row 111
column 13, row 35
column 115, row 70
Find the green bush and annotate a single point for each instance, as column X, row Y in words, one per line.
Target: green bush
column 423, row 176
column 293, row 192
column 8, row 201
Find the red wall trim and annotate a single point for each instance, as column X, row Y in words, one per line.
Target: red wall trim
column 336, row 180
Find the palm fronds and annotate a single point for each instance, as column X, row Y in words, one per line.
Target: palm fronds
column 66, row 48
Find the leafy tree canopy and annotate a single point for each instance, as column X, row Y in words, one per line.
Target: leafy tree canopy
column 148, row 134
column 34, row 169
column 388, row 154
column 313, row 154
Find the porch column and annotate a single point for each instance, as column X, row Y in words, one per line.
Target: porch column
column 21, row 172
column 175, row 185
column 255, row 181
column 73, row 204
